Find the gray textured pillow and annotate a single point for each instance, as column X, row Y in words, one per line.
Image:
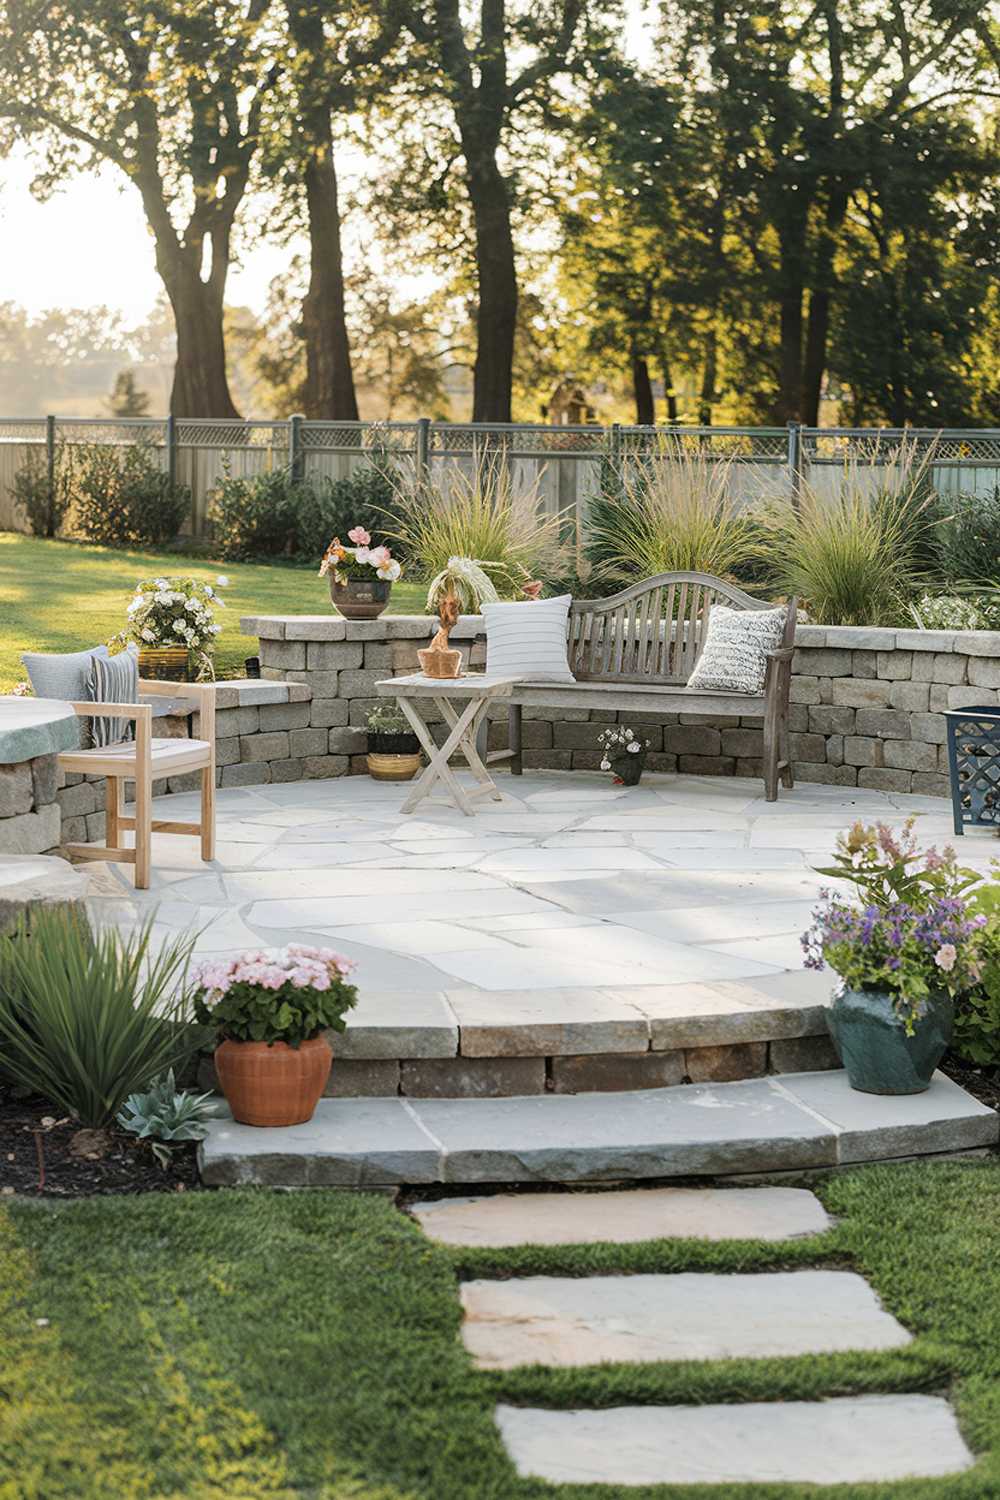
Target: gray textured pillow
column 66, row 677
column 734, row 656
column 113, row 679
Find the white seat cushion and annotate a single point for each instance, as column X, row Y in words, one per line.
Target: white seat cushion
column 167, row 755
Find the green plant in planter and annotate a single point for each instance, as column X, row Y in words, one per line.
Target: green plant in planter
column 87, row 1018
column 887, row 867
column 389, row 732
column 977, row 1010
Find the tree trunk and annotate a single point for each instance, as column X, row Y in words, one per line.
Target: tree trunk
column 669, row 392
column 820, row 299
column 200, row 387
column 788, row 405
column 642, row 386
column 329, row 389
column 706, row 398
column 496, row 314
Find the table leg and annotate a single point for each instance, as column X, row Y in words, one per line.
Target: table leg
column 469, row 745
column 438, row 767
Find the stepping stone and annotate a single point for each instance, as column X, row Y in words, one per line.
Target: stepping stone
column 760, row 1213
column 850, row 1440
column 562, row 1321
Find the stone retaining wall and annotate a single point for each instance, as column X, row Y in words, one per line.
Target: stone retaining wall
column 29, row 814
column 866, row 704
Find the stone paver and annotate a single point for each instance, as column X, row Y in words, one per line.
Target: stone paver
column 691, row 1130
column 850, row 1440
column 566, row 1321
column 558, row 1218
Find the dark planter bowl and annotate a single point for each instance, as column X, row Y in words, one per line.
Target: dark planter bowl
column 628, row 768
column 877, row 1053
column 392, row 744
column 360, row 598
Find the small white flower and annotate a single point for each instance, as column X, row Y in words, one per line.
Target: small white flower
column 633, row 747
column 605, row 765
column 222, row 581
column 148, row 635
column 180, row 627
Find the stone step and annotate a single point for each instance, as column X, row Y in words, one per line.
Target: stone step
column 567, row 1321
column 850, row 1440
column 502, row 1220
column 795, row 1122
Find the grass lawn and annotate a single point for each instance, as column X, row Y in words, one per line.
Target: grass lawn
column 247, row 1345
column 65, row 596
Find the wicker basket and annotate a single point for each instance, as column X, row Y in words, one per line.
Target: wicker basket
column 164, row 663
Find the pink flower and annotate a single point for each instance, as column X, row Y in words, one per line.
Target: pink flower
column 380, row 557
column 359, row 536
column 533, row 589
column 945, row 957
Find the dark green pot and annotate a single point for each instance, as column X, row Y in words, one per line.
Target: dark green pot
column 628, row 768
column 879, row 1056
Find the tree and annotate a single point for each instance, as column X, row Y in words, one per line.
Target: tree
column 173, row 97
column 337, row 58
column 126, row 399
column 495, row 78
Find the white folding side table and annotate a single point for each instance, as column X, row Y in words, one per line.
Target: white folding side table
column 462, row 702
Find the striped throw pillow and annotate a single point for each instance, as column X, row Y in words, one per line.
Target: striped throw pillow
column 528, row 640
column 113, row 679
column 734, row 656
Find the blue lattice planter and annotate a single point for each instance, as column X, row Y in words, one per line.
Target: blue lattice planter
column 974, row 764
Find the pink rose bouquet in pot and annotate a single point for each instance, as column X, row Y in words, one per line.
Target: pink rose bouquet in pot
column 271, row 1013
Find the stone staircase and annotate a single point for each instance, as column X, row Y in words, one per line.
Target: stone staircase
column 785, row 1123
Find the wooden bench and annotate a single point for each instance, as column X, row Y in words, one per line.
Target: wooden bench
column 635, row 652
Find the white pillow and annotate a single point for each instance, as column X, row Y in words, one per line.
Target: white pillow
column 734, row 656
column 528, row 640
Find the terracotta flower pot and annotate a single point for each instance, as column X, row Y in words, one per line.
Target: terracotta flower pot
column 273, row 1084
column 437, row 663
column 360, row 598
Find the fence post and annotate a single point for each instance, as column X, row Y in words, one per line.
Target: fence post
column 170, row 439
column 296, row 458
column 616, row 451
column 50, row 453
column 423, row 451
column 795, row 460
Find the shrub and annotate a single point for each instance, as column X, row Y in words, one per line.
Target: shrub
column 852, row 557
column 977, row 1012
column 955, row 612
column 45, row 498
column 482, row 517
column 275, row 515
column 674, row 512
column 124, row 499
column 88, row 1018
column 967, row 538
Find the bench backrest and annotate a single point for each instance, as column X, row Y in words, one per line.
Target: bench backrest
column 654, row 630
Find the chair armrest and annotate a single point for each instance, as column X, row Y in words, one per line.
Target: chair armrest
column 139, row 712
column 195, row 692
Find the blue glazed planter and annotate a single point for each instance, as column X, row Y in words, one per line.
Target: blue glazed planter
column 877, row 1053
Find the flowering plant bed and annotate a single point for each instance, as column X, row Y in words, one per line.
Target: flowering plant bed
column 344, row 563
column 175, row 612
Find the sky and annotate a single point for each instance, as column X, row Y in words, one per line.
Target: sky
column 88, row 246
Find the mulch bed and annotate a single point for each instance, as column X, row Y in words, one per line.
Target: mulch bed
column 982, row 1083
column 45, row 1155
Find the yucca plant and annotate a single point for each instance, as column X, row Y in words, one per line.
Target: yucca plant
column 87, row 1018
column 675, row 512
column 852, row 556
column 480, row 516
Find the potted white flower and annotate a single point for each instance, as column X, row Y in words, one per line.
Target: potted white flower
column 169, row 619
column 624, row 753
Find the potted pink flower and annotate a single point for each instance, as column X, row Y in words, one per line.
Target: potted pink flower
column 361, row 575
column 271, row 1013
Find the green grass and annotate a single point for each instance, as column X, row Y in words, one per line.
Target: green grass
column 244, row 1345
column 65, row 596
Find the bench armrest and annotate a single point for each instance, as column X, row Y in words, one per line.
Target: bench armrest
column 781, row 653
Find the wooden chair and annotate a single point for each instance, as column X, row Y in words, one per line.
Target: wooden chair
column 145, row 760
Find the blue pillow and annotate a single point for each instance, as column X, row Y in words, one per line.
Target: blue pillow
column 65, row 677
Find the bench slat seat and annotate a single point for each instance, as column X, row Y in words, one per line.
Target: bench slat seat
column 636, row 651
